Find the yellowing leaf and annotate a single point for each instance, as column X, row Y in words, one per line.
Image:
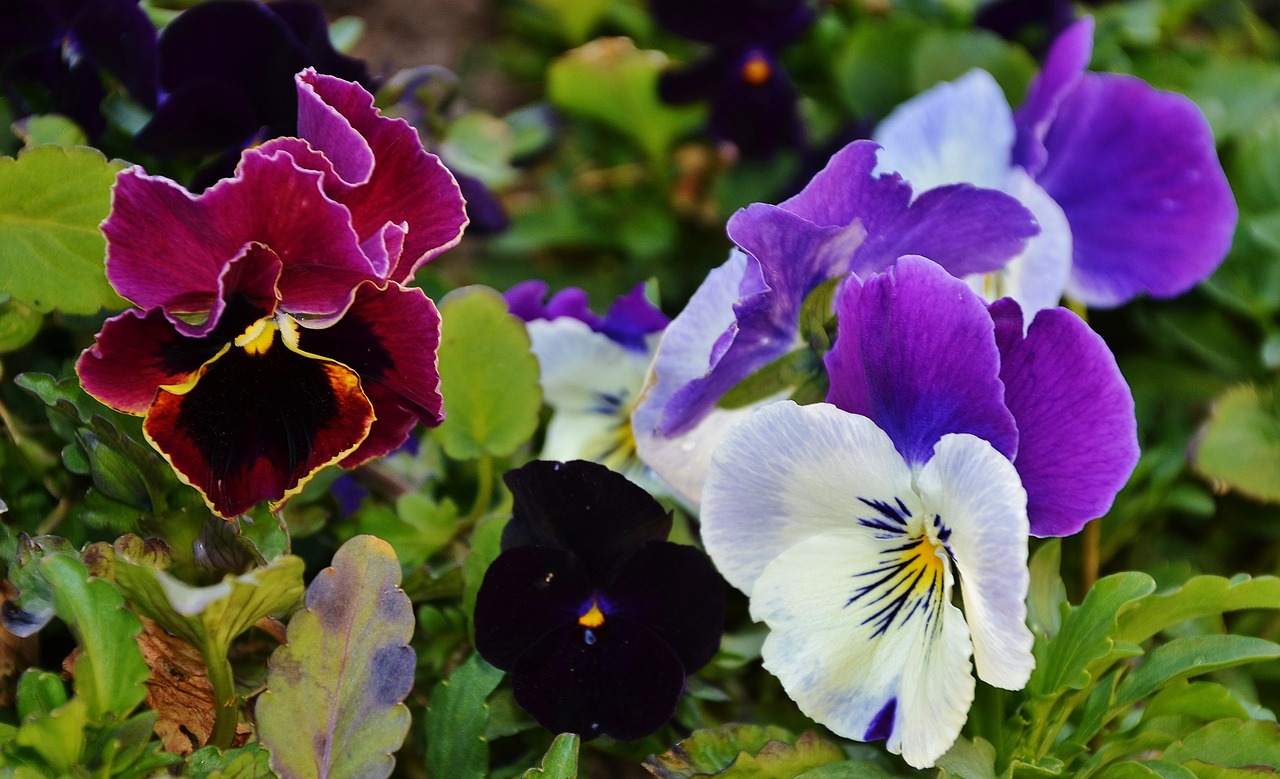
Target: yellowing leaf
column 333, row 702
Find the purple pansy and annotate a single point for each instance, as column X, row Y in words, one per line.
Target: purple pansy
column 1124, row 178
column 753, row 103
column 59, row 47
column 311, row 241
column 949, row 435
column 226, row 74
column 596, row 615
column 746, row 314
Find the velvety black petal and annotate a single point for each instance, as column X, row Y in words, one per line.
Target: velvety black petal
column 674, row 591
column 1033, row 23
column 759, row 118
column 527, row 592
column 734, row 22
column 306, row 21
column 694, row 82
column 118, row 35
column 484, row 209
column 620, row 680
column 255, row 425
column 583, row 507
column 201, row 117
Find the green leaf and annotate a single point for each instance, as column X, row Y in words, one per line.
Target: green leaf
column 51, row 202
column 1199, row 597
column 969, row 760
column 872, row 68
column 39, row 693
column 480, row 145
column 49, row 129
column 334, row 700
column 1191, row 656
column 945, row 55
column 743, row 752
column 18, row 325
column 1203, row 700
column 417, row 528
column 58, row 738
column 486, row 545
column 1047, row 596
column 1088, row 633
column 456, row 721
column 247, row 762
column 1230, row 743
column 1240, row 443
column 561, row 760
column 781, row 760
column 777, row 377
column 576, row 18
column 1146, row 769
column 211, row 617
column 847, row 769
column 611, row 81
column 31, row 610
column 110, row 674
column 488, row 376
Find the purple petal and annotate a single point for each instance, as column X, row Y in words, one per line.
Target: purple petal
column 1136, row 173
column 1063, row 66
column 200, row 117
column 916, row 353
column 1077, row 435
column 631, row 319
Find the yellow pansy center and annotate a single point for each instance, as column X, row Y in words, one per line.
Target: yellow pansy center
column 756, row 70
column 259, row 336
column 594, row 617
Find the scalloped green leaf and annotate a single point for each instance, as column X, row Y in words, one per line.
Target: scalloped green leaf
column 615, row 83
column 1088, row 633
column 1240, row 443
column 110, row 674
column 743, row 752
column 1147, row 769
column 211, row 617
column 561, row 760
column 1191, row 656
column 488, row 376
column 250, row 761
column 51, row 202
column 1198, row 597
column 57, row 738
column 335, row 691
column 456, row 721
column 1230, row 744
column 969, row 760
column 18, row 325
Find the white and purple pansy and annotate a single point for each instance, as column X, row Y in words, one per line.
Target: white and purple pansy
column 1123, row 178
column 948, row 437
column 592, row 369
column 746, row 314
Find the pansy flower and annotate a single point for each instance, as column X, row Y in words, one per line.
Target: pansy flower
column 948, row 436
column 58, row 46
column 226, row 74
column 592, row 369
column 596, row 615
column 753, row 102
column 1123, row 178
column 273, row 334
column 746, row 314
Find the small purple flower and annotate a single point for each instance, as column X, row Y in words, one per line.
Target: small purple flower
column 1123, row 178
column 753, row 103
column 60, row 45
column 629, row 322
column 746, row 314
column 947, row 437
column 596, row 615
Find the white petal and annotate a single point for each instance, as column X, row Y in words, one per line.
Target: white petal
column 789, row 472
column 684, row 354
column 906, row 678
column 583, row 371
column 978, row 495
column 1037, row 277
column 955, row 132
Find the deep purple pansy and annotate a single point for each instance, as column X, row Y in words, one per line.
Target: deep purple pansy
column 226, row 75
column 51, row 52
column 746, row 313
column 596, row 615
column 947, row 437
column 753, row 102
column 274, row 335
column 1124, row 178
column 1033, row 23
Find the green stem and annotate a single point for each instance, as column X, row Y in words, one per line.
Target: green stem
column 484, row 490
column 225, row 711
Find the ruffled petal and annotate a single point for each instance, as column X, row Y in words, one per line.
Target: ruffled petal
column 270, row 201
column 976, row 492
column 253, row 426
column 958, row 131
column 407, row 183
column 527, row 592
column 674, row 591
column 1136, row 172
column 1077, row 441
column 622, row 682
column 865, row 640
column 585, row 508
column 389, row 336
column 916, row 352
column 788, row 473
column 1063, row 66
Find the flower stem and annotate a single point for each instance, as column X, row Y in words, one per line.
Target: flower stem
column 484, row 490
column 1090, row 559
column 225, row 711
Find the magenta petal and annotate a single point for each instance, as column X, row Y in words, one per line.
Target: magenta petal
column 270, row 201
column 916, row 353
column 1063, row 66
column 331, row 133
column 136, row 353
column 388, row 336
column 1077, row 433
column 1137, row 175
column 407, row 184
